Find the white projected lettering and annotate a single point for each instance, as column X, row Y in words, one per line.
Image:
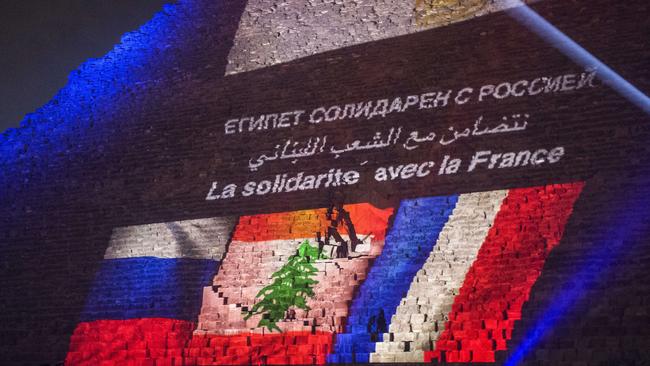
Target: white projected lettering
column 389, row 141
column 374, row 109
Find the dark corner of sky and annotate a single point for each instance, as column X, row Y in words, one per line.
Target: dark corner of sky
column 41, row 42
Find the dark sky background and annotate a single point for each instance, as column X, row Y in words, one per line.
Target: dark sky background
column 41, row 41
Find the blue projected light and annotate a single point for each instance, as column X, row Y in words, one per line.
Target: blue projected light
column 620, row 226
column 629, row 217
column 412, row 237
column 536, row 23
column 149, row 287
column 565, row 299
column 47, row 137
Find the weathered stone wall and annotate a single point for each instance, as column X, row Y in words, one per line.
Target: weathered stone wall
column 110, row 253
column 277, row 32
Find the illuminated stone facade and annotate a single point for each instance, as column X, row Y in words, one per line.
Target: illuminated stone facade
column 473, row 194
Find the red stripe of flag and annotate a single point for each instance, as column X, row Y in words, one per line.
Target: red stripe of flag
column 129, row 342
column 528, row 226
column 287, row 348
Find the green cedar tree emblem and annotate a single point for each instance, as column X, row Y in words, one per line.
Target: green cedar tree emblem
column 291, row 286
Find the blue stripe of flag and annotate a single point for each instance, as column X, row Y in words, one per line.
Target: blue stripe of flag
column 408, row 244
column 149, row 287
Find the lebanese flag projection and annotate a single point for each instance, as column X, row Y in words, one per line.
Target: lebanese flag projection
column 261, row 246
column 147, row 293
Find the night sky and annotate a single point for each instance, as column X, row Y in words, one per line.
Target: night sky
column 41, row 41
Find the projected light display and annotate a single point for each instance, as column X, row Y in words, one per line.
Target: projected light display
column 434, row 278
column 370, row 183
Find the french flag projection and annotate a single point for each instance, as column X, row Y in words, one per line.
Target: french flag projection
column 147, row 293
column 437, row 278
column 453, row 276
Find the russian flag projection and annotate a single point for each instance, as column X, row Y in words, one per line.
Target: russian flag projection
column 438, row 278
column 147, row 292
